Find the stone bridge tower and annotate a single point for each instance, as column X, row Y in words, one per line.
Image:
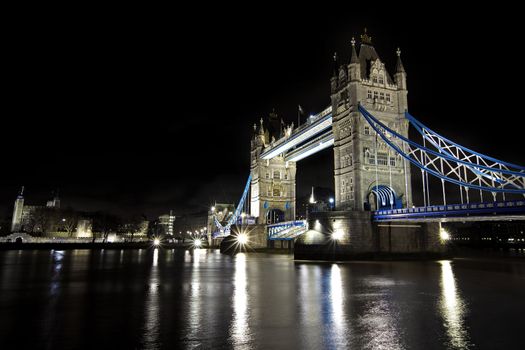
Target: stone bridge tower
column 272, row 189
column 361, row 162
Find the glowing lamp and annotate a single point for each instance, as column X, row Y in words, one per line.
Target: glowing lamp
column 242, row 238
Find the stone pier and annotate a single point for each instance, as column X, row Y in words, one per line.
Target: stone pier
column 257, row 238
column 348, row 235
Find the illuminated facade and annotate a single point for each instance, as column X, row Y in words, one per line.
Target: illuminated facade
column 273, row 180
column 362, row 160
column 23, row 213
column 167, row 221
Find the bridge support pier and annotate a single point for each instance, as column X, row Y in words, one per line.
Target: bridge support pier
column 349, row 235
column 257, row 238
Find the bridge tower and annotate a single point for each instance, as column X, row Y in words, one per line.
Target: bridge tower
column 273, row 181
column 360, row 162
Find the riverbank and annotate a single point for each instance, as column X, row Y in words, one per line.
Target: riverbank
column 96, row 245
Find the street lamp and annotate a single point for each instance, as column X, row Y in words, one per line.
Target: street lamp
column 242, row 238
column 444, row 235
column 337, row 234
column 197, row 243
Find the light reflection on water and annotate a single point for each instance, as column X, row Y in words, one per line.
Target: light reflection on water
column 194, row 298
column 151, row 333
column 206, row 300
column 379, row 327
column 453, row 309
column 309, row 289
column 336, row 297
column 240, row 329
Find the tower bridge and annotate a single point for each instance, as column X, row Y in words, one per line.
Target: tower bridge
column 367, row 125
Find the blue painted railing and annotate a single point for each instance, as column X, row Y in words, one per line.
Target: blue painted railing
column 452, row 210
column 286, row 230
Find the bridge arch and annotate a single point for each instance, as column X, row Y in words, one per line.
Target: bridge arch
column 274, row 216
column 384, row 197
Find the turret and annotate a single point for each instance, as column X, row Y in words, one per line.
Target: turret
column 354, row 68
column 334, row 81
column 16, row 222
column 400, row 76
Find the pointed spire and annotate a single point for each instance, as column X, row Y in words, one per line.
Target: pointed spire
column 365, row 38
column 399, row 65
column 312, row 198
column 261, row 129
column 354, row 58
column 335, row 64
column 22, row 191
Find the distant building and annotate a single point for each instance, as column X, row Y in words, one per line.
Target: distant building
column 23, row 214
column 166, row 221
column 17, row 212
column 189, row 224
column 84, row 228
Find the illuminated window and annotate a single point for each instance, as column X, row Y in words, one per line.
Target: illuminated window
column 392, row 161
column 382, row 159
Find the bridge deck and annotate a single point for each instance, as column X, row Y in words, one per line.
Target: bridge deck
column 492, row 211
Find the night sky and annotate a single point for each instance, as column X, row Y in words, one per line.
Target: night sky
column 146, row 110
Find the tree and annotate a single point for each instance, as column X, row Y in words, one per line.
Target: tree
column 45, row 218
column 69, row 220
column 105, row 223
column 134, row 224
column 29, row 224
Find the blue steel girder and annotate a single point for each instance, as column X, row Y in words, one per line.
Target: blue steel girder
column 461, row 171
column 225, row 230
column 514, row 209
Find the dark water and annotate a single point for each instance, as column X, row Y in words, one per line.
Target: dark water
column 151, row 299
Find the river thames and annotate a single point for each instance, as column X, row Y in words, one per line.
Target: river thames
column 176, row 299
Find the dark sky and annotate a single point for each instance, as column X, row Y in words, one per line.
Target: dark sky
column 146, row 110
